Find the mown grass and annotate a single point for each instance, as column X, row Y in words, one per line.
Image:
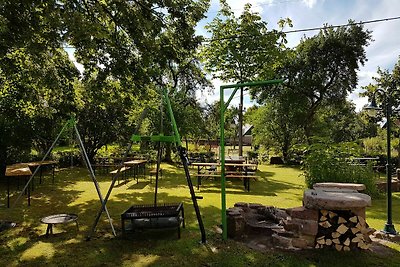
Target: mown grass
column 73, row 192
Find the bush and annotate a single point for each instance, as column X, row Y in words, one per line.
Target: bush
column 68, row 158
column 330, row 163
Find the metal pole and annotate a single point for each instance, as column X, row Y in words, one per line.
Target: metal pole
column 389, row 227
column 224, row 106
column 159, row 154
column 241, row 123
column 185, row 162
column 70, row 121
column 114, row 179
column 222, row 160
column 96, row 184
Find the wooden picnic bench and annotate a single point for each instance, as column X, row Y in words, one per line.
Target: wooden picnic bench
column 235, row 175
column 243, row 171
column 123, row 170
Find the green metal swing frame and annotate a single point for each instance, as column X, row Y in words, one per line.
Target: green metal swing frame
column 175, row 138
column 223, row 108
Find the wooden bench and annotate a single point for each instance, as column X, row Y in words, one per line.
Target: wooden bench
column 153, row 172
column 246, row 178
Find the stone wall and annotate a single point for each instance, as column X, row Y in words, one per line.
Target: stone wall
column 302, row 227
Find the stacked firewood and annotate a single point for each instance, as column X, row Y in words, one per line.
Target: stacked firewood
column 342, row 230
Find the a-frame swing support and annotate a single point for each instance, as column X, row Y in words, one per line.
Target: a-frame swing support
column 182, row 153
column 71, row 123
column 223, row 108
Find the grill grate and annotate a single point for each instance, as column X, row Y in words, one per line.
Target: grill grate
column 151, row 211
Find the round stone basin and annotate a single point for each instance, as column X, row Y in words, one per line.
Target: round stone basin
column 335, row 199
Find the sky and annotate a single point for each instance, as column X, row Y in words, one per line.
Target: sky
column 383, row 52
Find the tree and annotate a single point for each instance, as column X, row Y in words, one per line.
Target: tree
column 102, row 109
column 339, row 124
column 275, row 127
column 320, row 72
column 35, row 76
column 389, row 82
column 242, row 49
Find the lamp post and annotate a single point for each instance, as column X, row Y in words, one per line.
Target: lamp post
column 372, row 109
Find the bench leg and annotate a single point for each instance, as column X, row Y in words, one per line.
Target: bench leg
column 77, row 225
column 123, row 226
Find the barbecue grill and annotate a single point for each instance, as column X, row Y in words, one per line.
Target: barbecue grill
column 168, row 215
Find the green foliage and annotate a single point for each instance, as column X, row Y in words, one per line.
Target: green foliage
column 239, row 59
column 275, row 127
column 320, row 72
column 377, row 145
column 332, row 163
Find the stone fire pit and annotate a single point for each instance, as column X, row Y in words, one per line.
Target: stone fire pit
column 330, row 217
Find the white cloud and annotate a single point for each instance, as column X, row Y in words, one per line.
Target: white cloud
column 310, row 3
column 383, row 52
column 71, row 56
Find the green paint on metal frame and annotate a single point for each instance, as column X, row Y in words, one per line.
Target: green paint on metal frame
column 224, row 106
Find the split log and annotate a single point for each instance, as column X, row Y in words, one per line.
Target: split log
column 338, row 247
column 342, row 229
column 324, row 212
column 325, row 224
column 332, row 214
column 336, row 234
column 353, row 219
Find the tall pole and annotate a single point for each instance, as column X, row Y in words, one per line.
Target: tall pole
column 389, row 227
column 222, row 160
column 241, row 123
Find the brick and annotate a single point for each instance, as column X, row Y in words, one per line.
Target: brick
column 359, row 212
column 303, row 213
column 300, row 243
column 307, row 227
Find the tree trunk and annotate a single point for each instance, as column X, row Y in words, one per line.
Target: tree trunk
column 168, row 152
column 3, row 161
column 285, row 148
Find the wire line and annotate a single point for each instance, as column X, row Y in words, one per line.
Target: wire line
column 303, row 30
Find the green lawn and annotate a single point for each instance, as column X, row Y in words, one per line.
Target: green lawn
column 74, row 192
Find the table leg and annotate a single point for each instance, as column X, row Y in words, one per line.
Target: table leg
column 8, row 191
column 29, row 194
column 53, row 167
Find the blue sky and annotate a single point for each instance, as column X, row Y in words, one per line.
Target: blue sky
column 382, row 52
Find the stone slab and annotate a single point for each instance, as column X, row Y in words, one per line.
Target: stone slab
column 350, row 186
column 336, row 200
column 303, row 213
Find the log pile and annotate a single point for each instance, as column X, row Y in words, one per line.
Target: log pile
column 342, row 230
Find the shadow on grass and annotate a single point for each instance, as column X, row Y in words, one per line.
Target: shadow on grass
column 74, row 193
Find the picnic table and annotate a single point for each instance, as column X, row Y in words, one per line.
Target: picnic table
column 132, row 165
column 35, row 164
column 18, row 171
column 245, row 171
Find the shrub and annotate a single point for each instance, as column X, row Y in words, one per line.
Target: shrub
column 330, row 163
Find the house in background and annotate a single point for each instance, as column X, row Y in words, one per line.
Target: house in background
column 247, row 135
